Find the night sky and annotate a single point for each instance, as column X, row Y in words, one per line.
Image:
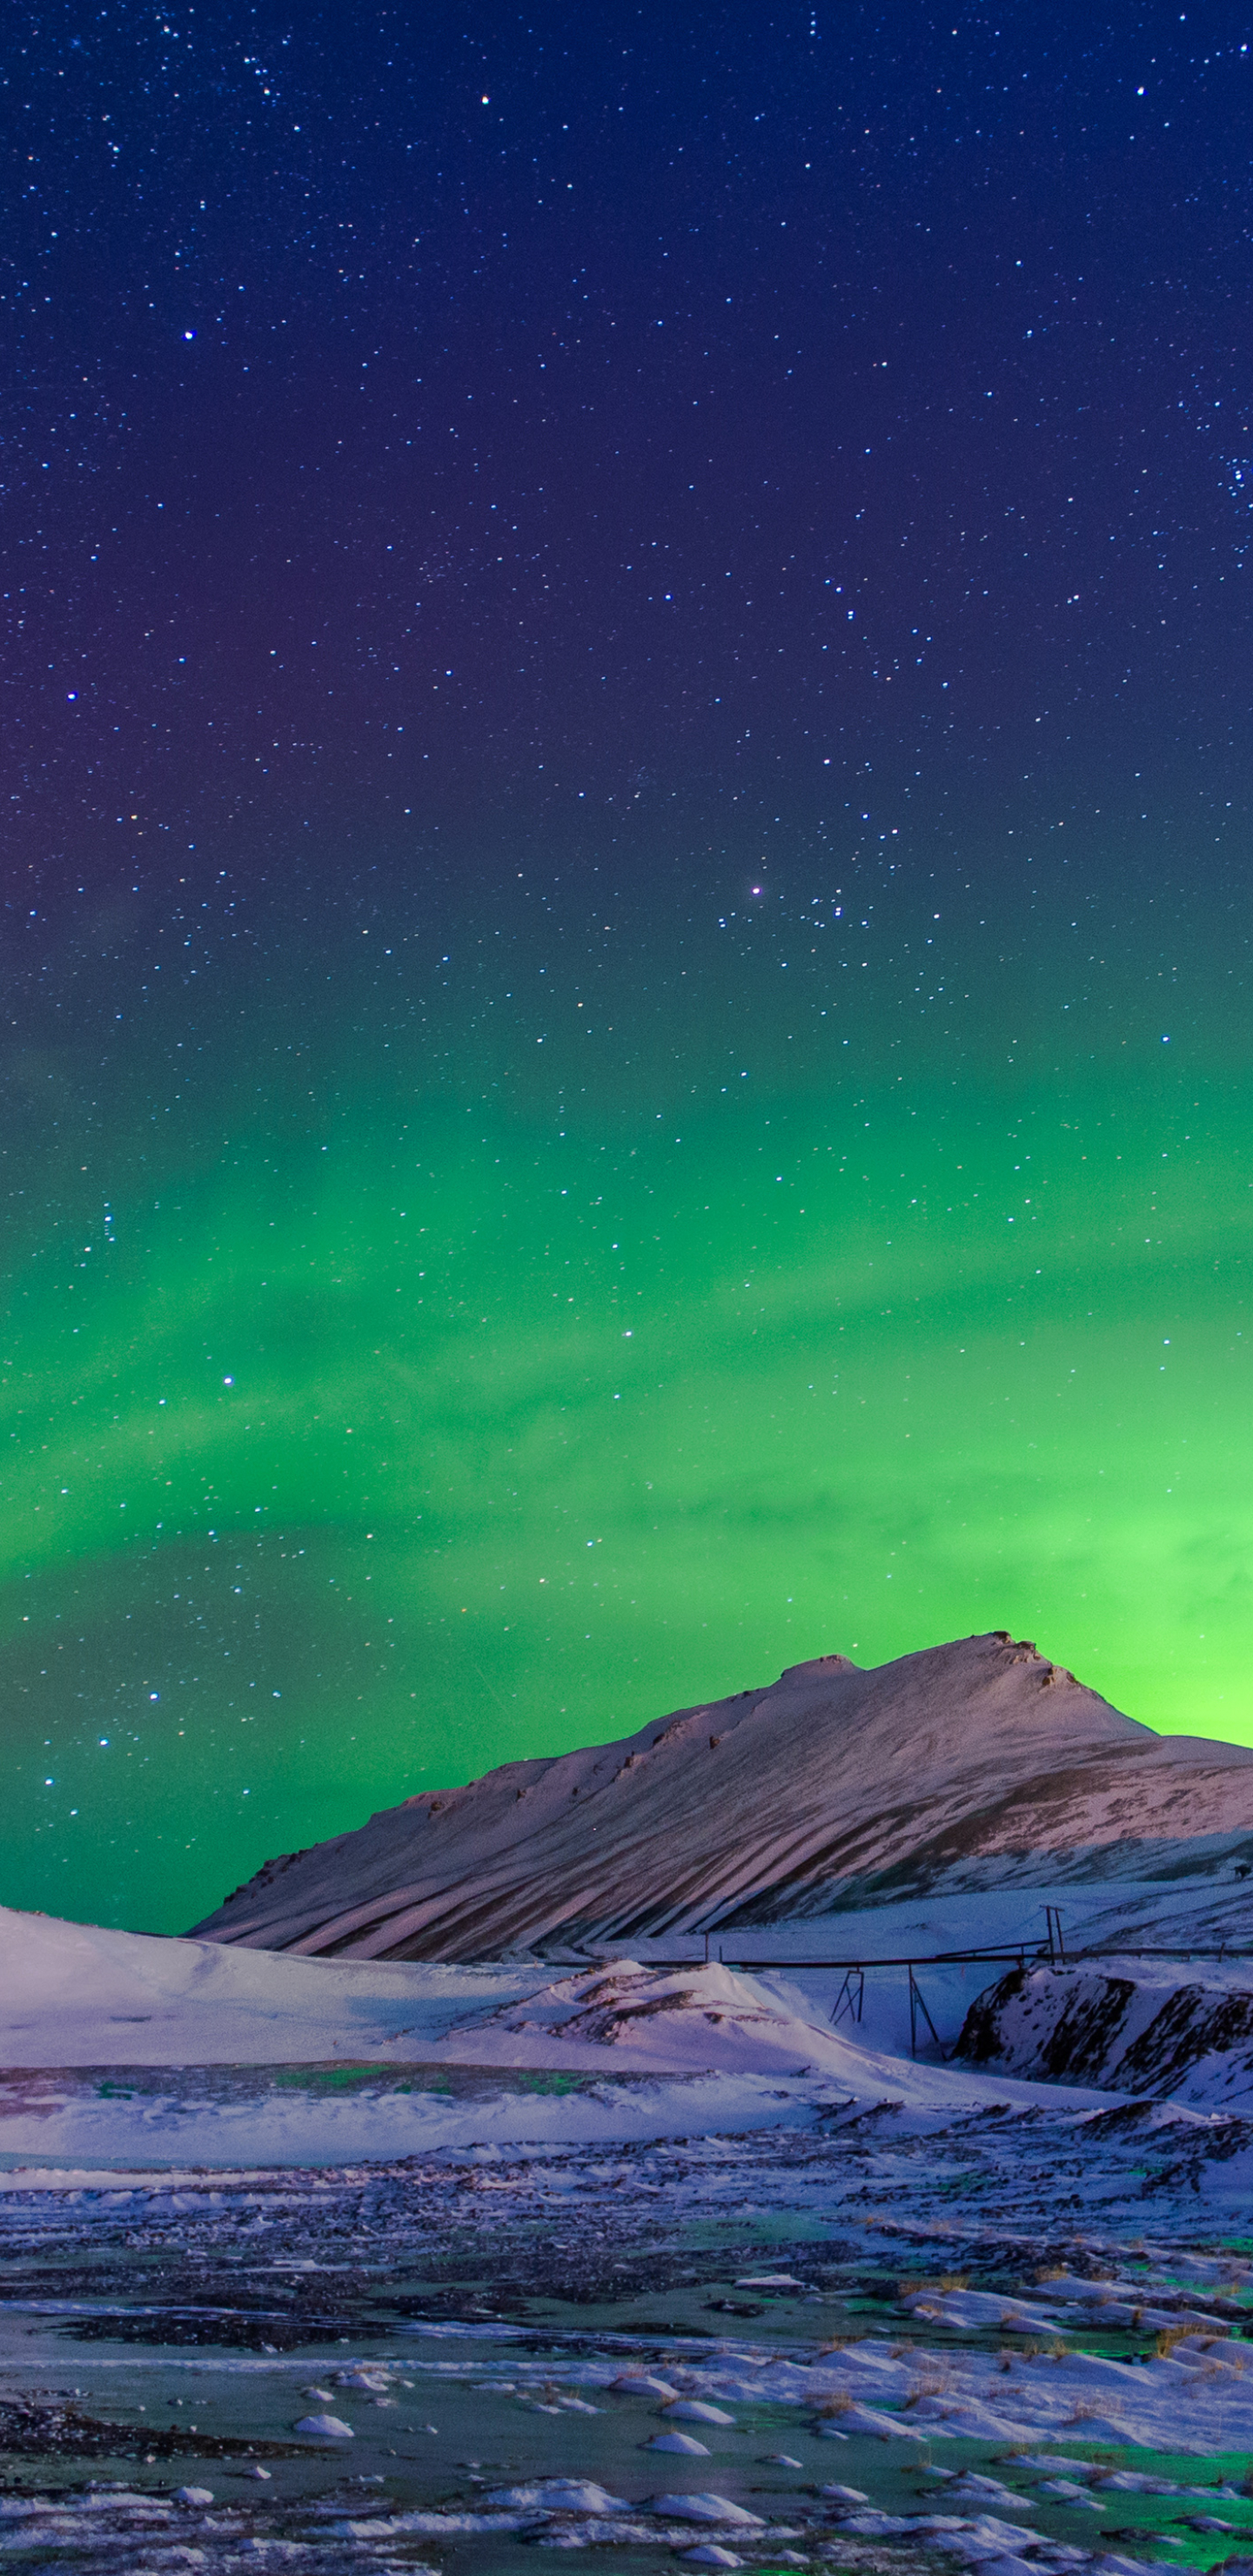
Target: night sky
column 626, row 1033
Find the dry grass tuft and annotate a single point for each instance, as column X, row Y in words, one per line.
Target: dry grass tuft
column 933, row 2380
column 1166, row 2338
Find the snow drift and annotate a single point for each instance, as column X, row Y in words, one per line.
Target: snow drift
column 80, row 1994
column 76, row 1995
column 228, row 2059
column 970, row 1760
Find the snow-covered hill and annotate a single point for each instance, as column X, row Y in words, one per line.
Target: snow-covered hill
column 228, row 2056
column 965, row 1765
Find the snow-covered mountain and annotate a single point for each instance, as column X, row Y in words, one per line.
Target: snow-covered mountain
column 968, row 1764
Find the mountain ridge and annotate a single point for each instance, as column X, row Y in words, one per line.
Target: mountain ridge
column 773, row 1804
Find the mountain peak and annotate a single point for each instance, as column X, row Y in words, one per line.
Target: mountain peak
column 828, row 1786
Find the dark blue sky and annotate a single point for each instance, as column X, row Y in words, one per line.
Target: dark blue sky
column 436, row 414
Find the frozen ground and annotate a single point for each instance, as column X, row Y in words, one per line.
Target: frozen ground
column 354, row 2267
column 889, row 2338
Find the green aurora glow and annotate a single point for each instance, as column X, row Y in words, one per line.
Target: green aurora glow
column 361, row 1458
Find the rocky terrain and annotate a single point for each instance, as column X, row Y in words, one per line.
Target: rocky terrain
column 1154, row 2029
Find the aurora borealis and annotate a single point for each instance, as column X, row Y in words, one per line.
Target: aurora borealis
column 627, row 1036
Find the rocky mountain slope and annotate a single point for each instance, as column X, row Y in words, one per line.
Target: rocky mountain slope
column 1146, row 2027
column 969, row 1761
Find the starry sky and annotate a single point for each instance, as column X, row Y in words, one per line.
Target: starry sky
column 626, row 1031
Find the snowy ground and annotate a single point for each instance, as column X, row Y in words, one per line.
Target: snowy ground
column 356, row 2267
column 190, row 2052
